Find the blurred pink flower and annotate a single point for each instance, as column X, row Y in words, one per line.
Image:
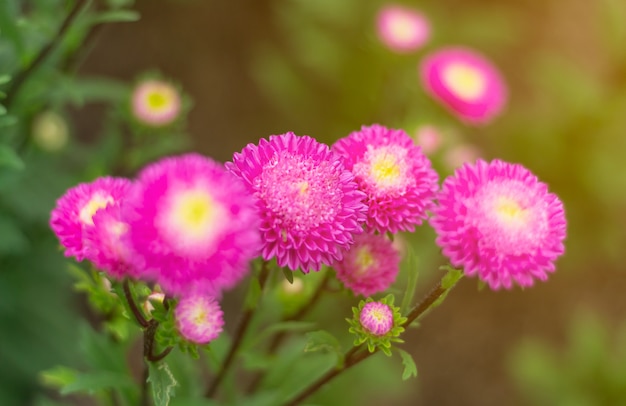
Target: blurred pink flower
column 155, row 103
column 309, row 203
column 370, row 266
column 199, row 318
column 459, row 154
column 402, row 29
column 429, row 138
column 192, row 224
column 465, row 82
column 497, row 221
column 397, row 177
column 75, row 210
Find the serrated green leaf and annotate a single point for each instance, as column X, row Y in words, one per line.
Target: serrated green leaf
column 162, row 382
column 94, row 381
column 116, row 16
column 322, row 340
column 410, row 369
column 9, row 158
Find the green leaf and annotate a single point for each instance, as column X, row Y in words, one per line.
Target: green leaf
column 9, row 158
column 288, row 274
column 5, row 79
column 284, row 326
column 410, row 369
column 163, row 383
column 116, row 16
column 58, row 377
column 322, row 340
column 93, row 381
column 410, row 263
column 447, row 283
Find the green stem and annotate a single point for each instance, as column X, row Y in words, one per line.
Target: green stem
column 280, row 336
column 237, row 339
column 359, row 353
column 141, row 319
column 21, row 77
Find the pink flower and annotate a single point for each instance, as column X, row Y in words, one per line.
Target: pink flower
column 309, row 203
column 394, row 173
column 497, row 221
column 460, row 154
column 155, row 103
column 376, row 318
column 199, row 318
column 429, row 138
column 192, row 224
column 465, row 82
column 106, row 243
column 75, row 210
column 370, row 266
column 402, row 29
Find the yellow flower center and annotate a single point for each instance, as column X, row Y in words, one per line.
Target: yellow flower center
column 402, row 28
column 96, row 203
column 157, row 100
column 510, row 212
column 194, row 211
column 364, row 259
column 467, row 82
column 385, row 169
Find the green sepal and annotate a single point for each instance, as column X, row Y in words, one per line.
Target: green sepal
column 374, row 342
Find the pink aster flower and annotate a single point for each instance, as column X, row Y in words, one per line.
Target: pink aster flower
column 155, row 103
column 106, row 243
column 465, row 82
column 199, row 318
column 394, row 173
column 402, row 29
column 75, row 210
column 309, row 203
column 497, row 221
column 429, row 138
column 192, row 225
column 460, row 154
column 370, row 265
column 376, row 318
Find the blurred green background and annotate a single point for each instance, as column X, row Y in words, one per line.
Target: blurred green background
column 260, row 67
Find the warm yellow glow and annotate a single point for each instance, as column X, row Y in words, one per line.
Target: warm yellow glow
column 467, row 82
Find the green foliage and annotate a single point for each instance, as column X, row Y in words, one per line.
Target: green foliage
column 162, row 382
column 589, row 370
column 410, row 369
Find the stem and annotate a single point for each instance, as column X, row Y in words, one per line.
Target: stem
column 280, row 336
column 133, row 306
column 426, row 303
column 357, row 354
column 237, row 339
column 352, row 357
column 20, row 78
